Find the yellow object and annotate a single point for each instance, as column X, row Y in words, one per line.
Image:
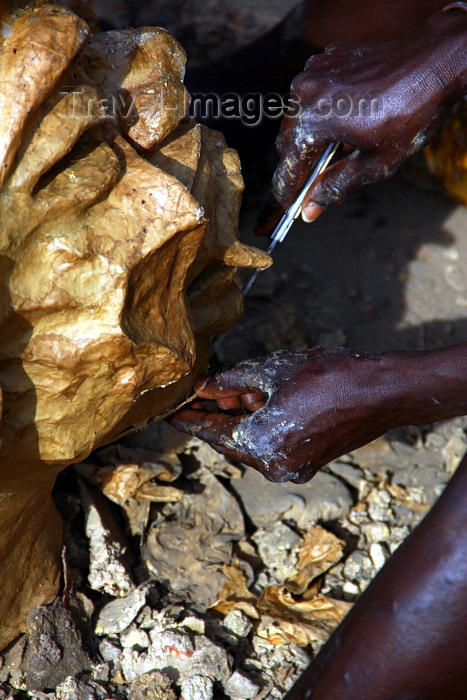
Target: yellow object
column 446, row 155
column 118, row 252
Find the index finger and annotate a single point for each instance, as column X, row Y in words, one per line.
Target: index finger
column 298, row 154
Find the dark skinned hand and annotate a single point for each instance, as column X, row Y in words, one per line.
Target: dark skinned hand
column 309, row 407
column 384, row 100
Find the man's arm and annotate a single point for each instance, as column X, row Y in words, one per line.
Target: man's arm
column 363, row 21
column 405, row 637
column 310, row 407
column 385, row 100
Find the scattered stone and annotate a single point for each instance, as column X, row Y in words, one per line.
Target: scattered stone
column 353, row 476
column 375, row 532
column 240, row 686
column 454, row 450
column 358, row 566
column 194, row 624
column 73, row 689
column 379, row 502
column 179, row 656
column 55, row 647
column 109, row 566
column 237, row 623
column 100, row 672
column 153, row 685
column 13, row 663
column 377, row 555
column 351, row 589
column 197, row 688
column 117, row 615
column 278, row 548
column 321, row 499
column 134, row 638
column 111, row 653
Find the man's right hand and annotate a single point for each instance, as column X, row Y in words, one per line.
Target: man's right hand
column 385, row 100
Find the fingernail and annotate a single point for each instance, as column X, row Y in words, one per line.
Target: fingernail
column 201, row 384
column 311, row 212
column 306, row 218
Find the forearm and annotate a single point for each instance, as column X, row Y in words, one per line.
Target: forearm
column 366, row 20
column 405, row 637
column 427, row 386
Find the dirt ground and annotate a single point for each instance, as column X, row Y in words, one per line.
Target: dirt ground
column 385, row 270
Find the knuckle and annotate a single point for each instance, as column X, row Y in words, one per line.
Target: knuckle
column 332, row 189
column 301, row 83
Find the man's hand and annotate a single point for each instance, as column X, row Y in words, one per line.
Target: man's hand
column 289, row 413
column 384, row 100
column 309, row 407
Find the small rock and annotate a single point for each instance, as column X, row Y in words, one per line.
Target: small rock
column 55, row 649
column 454, row 450
column 322, row 498
column 375, row 532
column 435, row 440
column 353, row 476
column 134, row 638
column 240, row 686
column 101, row 672
column 278, row 548
column 171, row 650
column 377, row 555
column 179, row 656
column 358, row 566
column 117, row 615
column 13, row 663
column 152, row 686
column 73, row 689
column 350, row 588
column 197, row 688
column 108, row 568
column 111, row 653
column 211, row 659
column 379, row 502
column 194, row 624
column 237, row 623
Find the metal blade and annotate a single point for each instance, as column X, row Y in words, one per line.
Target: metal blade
column 287, row 219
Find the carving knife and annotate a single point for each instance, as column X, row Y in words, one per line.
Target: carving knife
column 295, row 208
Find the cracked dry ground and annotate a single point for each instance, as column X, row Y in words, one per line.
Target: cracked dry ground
column 192, row 577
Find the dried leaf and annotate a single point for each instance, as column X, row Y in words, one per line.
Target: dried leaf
column 303, row 621
column 319, row 551
column 234, row 594
column 164, row 466
column 121, row 483
column 128, row 481
column 152, row 492
column 400, row 494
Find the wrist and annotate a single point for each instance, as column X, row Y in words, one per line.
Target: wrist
column 446, row 32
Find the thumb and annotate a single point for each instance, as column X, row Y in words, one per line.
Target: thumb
column 246, row 377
